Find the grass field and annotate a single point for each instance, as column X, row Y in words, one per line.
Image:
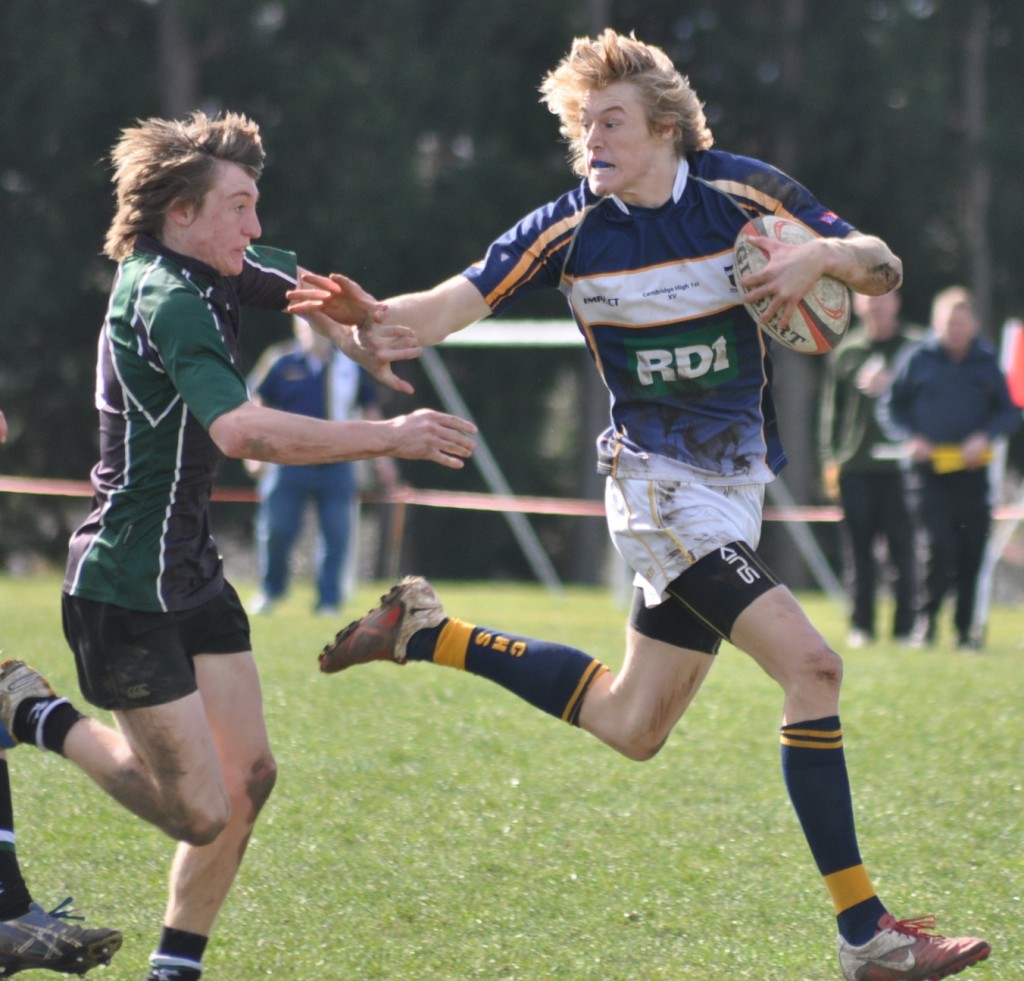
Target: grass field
column 428, row 826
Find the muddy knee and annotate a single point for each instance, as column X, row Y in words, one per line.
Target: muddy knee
column 259, row 783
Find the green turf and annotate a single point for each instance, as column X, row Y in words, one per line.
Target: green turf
column 428, row 826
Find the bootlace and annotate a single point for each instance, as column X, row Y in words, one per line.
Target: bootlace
column 62, row 911
column 915, row 926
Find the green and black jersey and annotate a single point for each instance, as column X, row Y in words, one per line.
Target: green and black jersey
column 167, row 368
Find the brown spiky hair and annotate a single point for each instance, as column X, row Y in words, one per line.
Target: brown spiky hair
column 594, row 63
column 162, row 162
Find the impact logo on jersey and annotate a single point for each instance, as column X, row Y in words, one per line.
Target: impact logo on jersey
column 704, row 357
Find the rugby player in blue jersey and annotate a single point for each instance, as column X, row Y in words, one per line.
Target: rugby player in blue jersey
column 159, row 635
column 642, row 250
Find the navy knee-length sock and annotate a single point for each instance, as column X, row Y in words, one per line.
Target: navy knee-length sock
column 552, row 677
column 814, row 769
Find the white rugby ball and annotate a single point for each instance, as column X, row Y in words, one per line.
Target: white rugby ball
column 821, row 317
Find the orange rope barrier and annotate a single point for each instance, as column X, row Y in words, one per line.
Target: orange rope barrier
column 465, row 500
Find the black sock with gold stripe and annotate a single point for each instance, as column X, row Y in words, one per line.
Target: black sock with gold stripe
column 551, row 677
column 814, row 768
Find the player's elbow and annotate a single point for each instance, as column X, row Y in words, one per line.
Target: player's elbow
column 233, row 436
column 898, row 271
column 886, row 275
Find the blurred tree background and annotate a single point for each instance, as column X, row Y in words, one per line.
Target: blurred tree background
column 403, row 136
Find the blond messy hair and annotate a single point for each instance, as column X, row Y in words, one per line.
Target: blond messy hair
column 594, row 63
column 161, row 162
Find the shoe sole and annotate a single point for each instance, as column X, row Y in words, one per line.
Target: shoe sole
column 972, row 959
column 94, row 954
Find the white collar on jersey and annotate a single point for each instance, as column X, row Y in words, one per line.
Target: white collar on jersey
column 682, row 173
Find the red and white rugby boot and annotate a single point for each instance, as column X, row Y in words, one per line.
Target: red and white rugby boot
column 383, row 633
column 902, row 951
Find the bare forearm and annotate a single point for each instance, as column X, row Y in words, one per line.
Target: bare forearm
column 254, row 432
column 394, row 330
column 865, row 263
column 434, row 314
column 272, row 436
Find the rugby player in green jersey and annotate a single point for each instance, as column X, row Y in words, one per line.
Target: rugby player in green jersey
column 159, row 635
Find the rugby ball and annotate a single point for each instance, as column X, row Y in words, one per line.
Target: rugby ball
column 822, row 316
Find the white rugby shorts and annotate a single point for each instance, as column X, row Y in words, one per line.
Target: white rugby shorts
column 662, row 527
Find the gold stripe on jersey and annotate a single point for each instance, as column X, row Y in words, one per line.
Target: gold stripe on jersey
column 766, row 201
column 528, row 266
column 588, row 334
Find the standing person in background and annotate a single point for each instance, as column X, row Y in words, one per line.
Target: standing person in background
column 31, row 938
column 861, row 466
column 642, row 250
column 310, row 377
column 951, row 400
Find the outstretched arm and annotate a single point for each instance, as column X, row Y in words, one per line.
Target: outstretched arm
column 398, row 328
column 256, row 432
column 431, row 315
column 351, row 306
column 438, row 312
column 350, row 303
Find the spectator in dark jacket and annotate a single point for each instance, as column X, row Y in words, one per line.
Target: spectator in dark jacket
column 951, row 400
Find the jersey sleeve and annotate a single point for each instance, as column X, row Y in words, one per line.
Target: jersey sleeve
column 530, row 256
column 267, row 274
column 766, row 189
column 753, row 188
column 196, row 357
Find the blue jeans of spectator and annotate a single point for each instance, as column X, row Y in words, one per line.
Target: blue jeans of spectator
column 285, row 493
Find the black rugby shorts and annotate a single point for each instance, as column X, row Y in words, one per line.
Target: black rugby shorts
column 134, row 659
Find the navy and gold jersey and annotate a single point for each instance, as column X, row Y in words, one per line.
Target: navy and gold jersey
column 167, row 368
column 654, row 294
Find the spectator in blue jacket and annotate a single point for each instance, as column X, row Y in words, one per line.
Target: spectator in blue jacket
column 310, row 376
column 951, row 401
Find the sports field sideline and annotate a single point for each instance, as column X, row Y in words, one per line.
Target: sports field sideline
column 426, row 826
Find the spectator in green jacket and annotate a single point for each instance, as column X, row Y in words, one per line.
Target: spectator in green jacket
column 861, row 467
